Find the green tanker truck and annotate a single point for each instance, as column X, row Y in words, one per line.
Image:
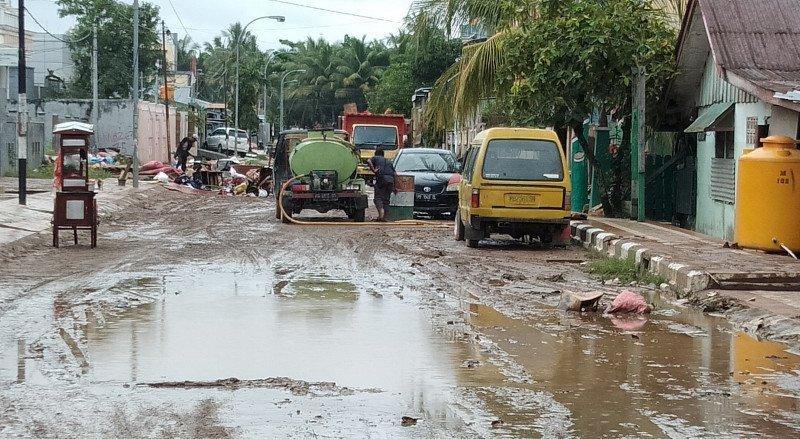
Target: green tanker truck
column 321, row 171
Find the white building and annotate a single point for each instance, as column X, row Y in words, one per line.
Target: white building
column 44, row 52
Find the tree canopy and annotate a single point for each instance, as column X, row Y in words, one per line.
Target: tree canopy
column 115, row 45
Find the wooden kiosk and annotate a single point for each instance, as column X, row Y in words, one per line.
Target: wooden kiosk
column 75, row 207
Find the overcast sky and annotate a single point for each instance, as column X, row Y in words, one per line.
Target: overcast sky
column 203, row 19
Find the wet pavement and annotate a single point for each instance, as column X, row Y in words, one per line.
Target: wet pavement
column 325, row 336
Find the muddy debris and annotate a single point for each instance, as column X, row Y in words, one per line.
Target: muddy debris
column 580, row 301
column 283, row 271
column 513, row 277
column 296, row 387
column 497, row 423
column 497, row 282
column 471, row 364
column 278, row 288
column 714, row 303
column 408, row 421
column 554, row 278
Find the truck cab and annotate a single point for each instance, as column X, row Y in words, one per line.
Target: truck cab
column 369, row 132
column 368, row 138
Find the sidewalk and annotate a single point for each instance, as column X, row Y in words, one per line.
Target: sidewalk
column 692, row 262
column 17, row 222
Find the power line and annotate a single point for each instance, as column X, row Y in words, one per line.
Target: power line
column 179, row 18
column 57, row 38
column 333, row 11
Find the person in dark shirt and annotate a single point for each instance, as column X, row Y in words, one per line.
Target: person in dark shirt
column 182, row 152
column 384, row 182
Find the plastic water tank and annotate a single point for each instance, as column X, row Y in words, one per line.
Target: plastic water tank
column 768, row 196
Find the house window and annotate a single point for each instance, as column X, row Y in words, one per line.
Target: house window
column 723, row 144
column 752, row 132
column 723, row 169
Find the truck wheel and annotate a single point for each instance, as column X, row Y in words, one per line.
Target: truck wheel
column 473, row 243
column 458, row 229
column 286, row 209
column 360, row 215
column 285, row 218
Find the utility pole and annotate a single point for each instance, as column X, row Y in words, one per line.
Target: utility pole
column 95, row 103
column 135, row 94
column 279, row 19
column 638, row 142
column 166, row 85
column 225, row 89
column 22, row 113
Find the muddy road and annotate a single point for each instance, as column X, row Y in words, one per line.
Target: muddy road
column 206, row 318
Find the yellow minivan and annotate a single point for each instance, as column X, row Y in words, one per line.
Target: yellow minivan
column 515, row 181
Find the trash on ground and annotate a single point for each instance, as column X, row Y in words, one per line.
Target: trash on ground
column 628, row 302
column 580, row 301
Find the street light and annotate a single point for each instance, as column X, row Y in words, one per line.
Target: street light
column 279, row 19
column 283, row 80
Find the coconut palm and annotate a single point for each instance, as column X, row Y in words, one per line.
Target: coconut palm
column 473, row 78
column 359, row 67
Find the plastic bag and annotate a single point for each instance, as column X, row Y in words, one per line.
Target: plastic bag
column 628, row 302
column 162, row 178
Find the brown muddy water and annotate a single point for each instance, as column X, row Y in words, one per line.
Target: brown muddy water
column 336, row 356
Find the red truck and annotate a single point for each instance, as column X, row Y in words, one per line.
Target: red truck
column 369, row 132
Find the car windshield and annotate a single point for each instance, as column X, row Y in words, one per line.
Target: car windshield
column 242, row 134
column 425, row 162
column 373, row 137
column 522, row 159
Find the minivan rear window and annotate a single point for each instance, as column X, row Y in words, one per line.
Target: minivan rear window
column 522, row 159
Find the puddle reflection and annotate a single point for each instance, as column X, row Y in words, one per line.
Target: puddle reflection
column 660, row 378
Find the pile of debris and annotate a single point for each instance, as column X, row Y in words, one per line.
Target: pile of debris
column 222, row 177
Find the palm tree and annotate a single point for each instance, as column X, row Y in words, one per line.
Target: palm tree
column 185, row 48
column 359, row 68
column 458, row 93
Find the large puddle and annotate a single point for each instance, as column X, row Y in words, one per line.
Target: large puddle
column 676, row 373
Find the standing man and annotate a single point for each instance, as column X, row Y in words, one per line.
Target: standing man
column 384, row 182
column 182, row 152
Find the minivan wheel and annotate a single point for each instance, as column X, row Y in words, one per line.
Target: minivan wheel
column 458, row 229
column 473, row 243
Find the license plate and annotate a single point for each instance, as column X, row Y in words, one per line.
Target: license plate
column 326, row 196
column 522, row 199
column 426, row 197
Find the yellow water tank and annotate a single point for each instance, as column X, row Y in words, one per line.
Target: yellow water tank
column 768, row 196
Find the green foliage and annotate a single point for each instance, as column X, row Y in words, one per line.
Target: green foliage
column 45, row 172
column 394, row 90
column 185, row 49
column 579, row 58
column 115, row 45
column 415, row 63
column 625, row 270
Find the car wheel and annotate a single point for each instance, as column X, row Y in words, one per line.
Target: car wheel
column 458, row 228
column 473, row 243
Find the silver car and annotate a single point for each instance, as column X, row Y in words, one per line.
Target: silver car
column 223, row 140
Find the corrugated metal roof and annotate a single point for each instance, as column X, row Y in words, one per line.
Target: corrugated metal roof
column 758, row 40
column 710, row 117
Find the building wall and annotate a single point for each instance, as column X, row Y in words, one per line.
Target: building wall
column 48, row 53
column 713, row 217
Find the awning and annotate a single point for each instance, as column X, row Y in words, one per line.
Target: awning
column 710, row 118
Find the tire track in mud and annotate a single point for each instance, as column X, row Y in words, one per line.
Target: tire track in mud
column 244, row 233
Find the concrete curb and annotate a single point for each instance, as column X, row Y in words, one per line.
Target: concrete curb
column 683, row 278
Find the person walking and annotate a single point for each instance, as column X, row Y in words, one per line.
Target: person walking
column 182, row 153
column 384, row 182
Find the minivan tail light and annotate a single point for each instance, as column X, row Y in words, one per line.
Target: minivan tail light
column 568, row 201
column 475, row 201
